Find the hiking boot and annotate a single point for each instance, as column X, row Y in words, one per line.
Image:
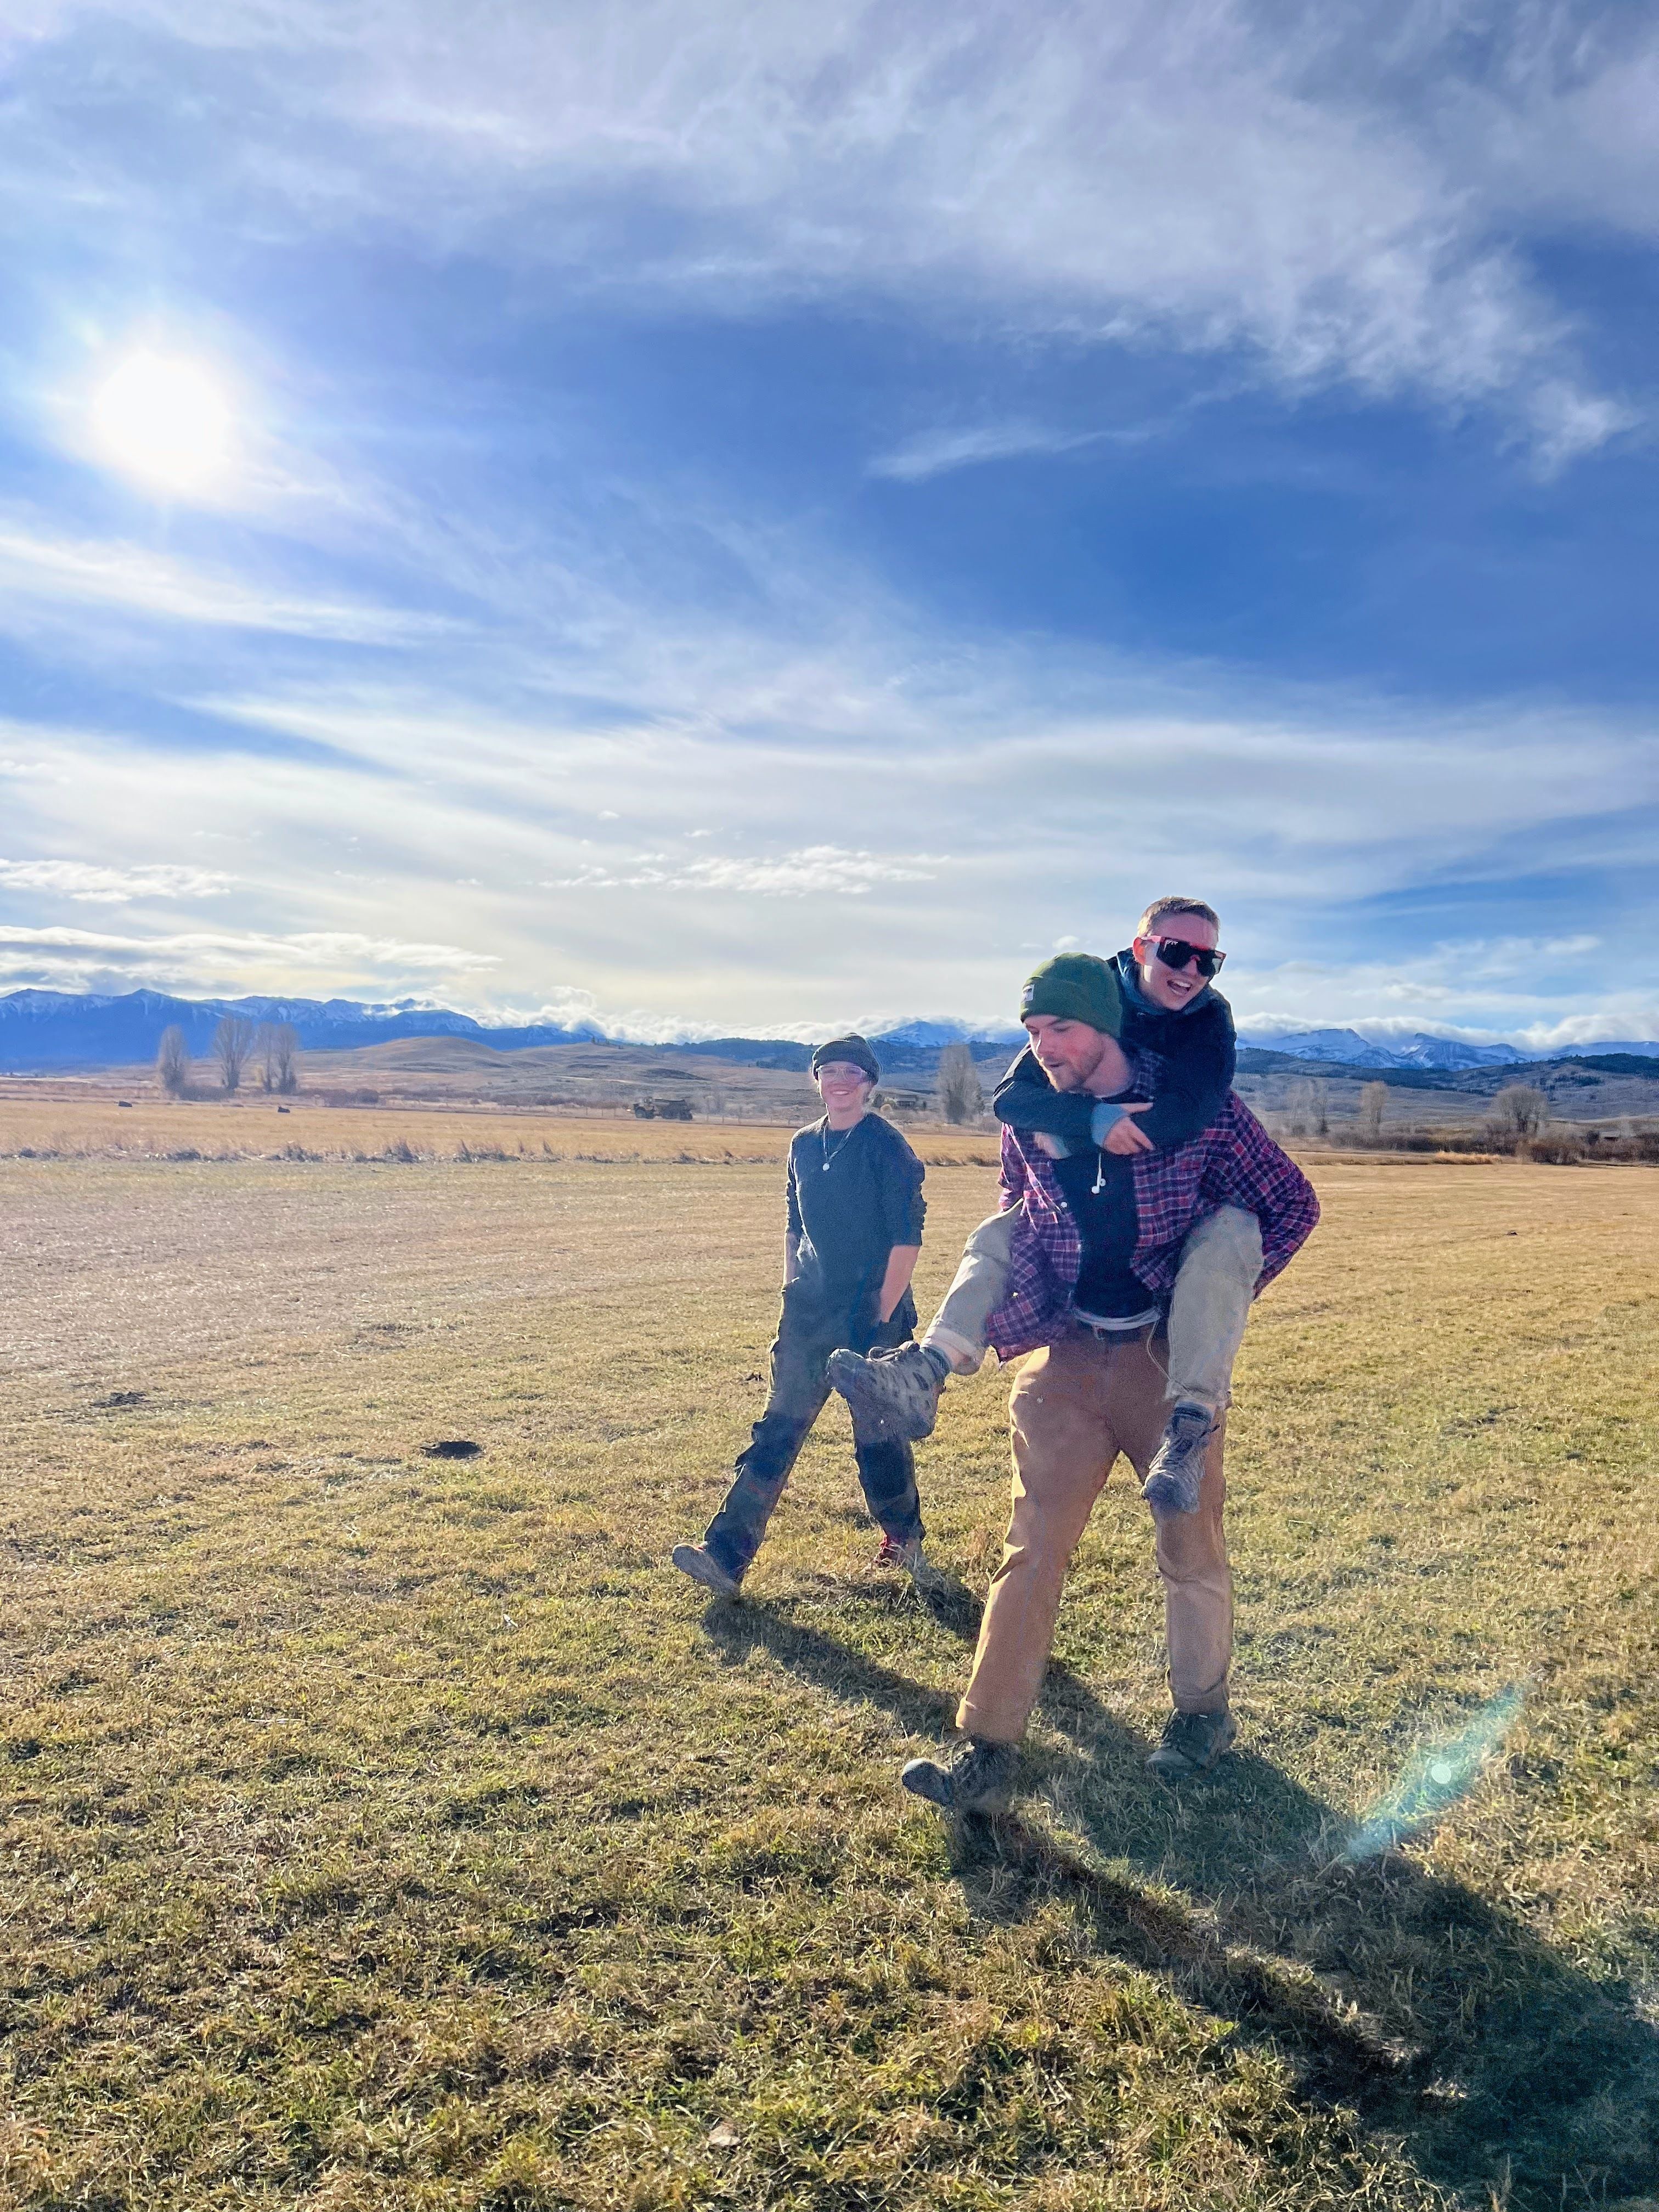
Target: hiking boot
column 700, row 1563
column 893, row 1395
column 1192, row 1744
column 977, row 1777
column 912, row 1558
column 1177, row 1468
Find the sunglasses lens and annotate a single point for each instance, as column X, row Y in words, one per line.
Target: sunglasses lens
column 1175, row 952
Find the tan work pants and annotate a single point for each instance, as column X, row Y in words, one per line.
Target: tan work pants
column 1074, row 1409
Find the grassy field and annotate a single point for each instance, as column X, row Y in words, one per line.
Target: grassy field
column 390, row 1831
column 40, row 1119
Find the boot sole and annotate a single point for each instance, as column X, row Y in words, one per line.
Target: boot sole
column 702, row 1571
column 1165, row 1495
column 894, row 1427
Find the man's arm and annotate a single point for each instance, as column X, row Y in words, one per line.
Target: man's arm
column 904, row 1210
column 1198, row 1056
column 1011, row 1173
column 901, row 1266
column 793, row 1227
column 1025, row 1099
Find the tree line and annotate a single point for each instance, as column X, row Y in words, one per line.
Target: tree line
column 268, row 1053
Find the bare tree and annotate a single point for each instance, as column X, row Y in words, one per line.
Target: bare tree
column 1520, row 1111
column 233, row 1043
column 960, row 1096
column 173, row 1062
column 1299, row 1110
column 275, row 1046
column 1373, row 1105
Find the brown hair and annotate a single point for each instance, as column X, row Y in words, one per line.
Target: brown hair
column 1165, row 909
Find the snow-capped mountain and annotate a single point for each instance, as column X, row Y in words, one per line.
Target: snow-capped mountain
column 1347, row 1048
column 43, row 1029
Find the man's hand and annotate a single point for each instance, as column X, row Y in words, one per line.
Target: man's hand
column 1124, row 1138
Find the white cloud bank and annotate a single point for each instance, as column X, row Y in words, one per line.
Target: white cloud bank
column 94, row 886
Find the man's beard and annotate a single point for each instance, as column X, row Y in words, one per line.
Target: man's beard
column 1068, row 1078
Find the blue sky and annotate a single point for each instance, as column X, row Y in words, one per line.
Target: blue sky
column 752, row 517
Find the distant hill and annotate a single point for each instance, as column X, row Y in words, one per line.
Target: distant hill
column 40, row 1030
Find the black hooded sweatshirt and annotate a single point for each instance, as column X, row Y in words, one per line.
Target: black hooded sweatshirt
column 1196, row 1045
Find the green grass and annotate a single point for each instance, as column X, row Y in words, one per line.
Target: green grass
column 383, row 1831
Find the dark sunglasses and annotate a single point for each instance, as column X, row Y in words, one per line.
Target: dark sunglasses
column 1175, row 952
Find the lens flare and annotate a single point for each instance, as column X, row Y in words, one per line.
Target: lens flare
column 1435, row 1779
column 162, row 419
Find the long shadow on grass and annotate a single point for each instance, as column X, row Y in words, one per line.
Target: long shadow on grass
column 1438, row 2017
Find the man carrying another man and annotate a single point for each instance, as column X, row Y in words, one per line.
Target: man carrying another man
column 1157, row 996
column 1090, row 1261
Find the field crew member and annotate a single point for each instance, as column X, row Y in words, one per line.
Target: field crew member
column 853, row 1231
column 1092, row 1257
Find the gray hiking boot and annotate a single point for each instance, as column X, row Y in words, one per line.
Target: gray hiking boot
column 977, row 1777
column 912, row 1559
column 893, row 1395
column 1192, row 1744
column 1177, row 1468
column 700, row 1563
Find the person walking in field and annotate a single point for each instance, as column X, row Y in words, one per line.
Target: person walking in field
column 1157, row 996
column 1092, row 1256
column 852, row 1236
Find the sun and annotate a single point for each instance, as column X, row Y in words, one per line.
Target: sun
column 163, row 419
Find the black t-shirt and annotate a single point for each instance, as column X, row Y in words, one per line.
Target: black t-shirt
column 853, row 1194
column 1109, row 1223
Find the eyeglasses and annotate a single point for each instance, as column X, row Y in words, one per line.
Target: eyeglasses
column 1175, row 952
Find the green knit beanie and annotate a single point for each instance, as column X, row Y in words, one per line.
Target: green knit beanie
column 1076, row 987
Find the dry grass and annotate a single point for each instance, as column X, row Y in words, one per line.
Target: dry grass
column 87, row 1123
column 385, row 1831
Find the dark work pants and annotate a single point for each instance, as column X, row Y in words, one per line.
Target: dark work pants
column 807, row 1333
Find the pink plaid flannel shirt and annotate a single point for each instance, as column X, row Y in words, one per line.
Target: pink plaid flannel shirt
column 1232, row 1163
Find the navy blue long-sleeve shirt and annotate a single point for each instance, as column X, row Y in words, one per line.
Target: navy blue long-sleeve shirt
column 853, row 1195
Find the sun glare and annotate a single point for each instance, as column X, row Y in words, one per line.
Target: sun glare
column 163, row 419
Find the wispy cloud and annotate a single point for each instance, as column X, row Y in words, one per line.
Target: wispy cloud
column 1216, row 173
column 94, row 886
column 935, row 453
column 35, row 569
column 814, row 868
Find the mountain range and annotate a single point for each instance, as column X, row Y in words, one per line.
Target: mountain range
column 42, row 1029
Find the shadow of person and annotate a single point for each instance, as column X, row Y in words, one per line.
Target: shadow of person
column 1441, row 2019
